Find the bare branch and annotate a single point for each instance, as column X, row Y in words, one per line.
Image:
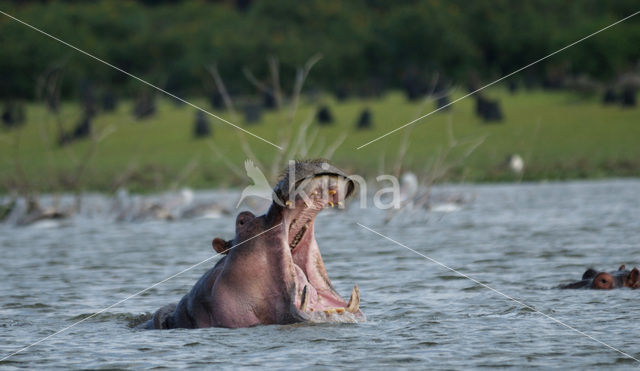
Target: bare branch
column 274, row 67
column 318, row 143
column 255, row 82
column 124, row 176
column 299, row 142
column 234, row 168
column 186, row 172
column 402, row 151
column 25, row 188
column 83, row 164
column 333, row 147
column 381, row 162
column 301, row 76
column 213, row 70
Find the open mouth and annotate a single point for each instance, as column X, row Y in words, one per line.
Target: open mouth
column 315, row 294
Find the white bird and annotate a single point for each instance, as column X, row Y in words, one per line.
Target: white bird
column 516, row 163
column 260, row 187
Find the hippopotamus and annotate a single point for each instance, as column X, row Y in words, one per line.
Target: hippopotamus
column 593, row 279
column 272, row 271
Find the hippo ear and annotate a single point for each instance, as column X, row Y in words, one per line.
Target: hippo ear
column 243, row 218
column 220, row 245
column 633, row 280
column 622, row 267
column 589, row 274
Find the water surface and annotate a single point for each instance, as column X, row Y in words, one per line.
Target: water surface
column 523, row 240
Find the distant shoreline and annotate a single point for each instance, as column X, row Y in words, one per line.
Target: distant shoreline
column 560, row 136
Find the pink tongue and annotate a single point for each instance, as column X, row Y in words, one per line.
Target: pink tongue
column 317, row 300
column 328, row 300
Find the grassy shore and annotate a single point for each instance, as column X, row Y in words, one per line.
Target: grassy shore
column 559, row 135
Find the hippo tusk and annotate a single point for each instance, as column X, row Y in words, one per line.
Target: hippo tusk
column 304, row 300
column 354, row 301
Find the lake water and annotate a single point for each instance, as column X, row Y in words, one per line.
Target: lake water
column 521, row 239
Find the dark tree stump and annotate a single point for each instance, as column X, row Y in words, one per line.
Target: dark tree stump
column 252, row 113
column 324, row 116
column 145, row 106
column 268, row 100
column 109, row 101
column 488, row 110
column 628, row 97
column 442, row 103
column 202, row 126
column 13, row 115
column 82, row 130
column 364, row 121
column 88, row 99
column 216, row 100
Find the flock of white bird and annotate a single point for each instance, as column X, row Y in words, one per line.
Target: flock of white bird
column 124, row 207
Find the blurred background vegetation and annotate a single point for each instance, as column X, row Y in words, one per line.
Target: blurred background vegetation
column 363, row 42
column 379, row 58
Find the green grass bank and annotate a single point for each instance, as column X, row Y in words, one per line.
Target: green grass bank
column 559, row 135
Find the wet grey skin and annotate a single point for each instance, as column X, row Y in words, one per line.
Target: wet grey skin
column 597, row 280
column 279, row 276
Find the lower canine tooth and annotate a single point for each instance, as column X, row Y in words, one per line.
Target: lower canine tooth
column 304, row 300
column 339, row 310
column 354, row 301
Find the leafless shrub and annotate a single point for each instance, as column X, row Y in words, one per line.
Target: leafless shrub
column 222, row 89
column 296, row 142
column 48, row 91
column 77, row 180
column 434, row 170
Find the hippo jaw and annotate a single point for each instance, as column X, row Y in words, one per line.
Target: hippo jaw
column 273, row 272
column 315, row 296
